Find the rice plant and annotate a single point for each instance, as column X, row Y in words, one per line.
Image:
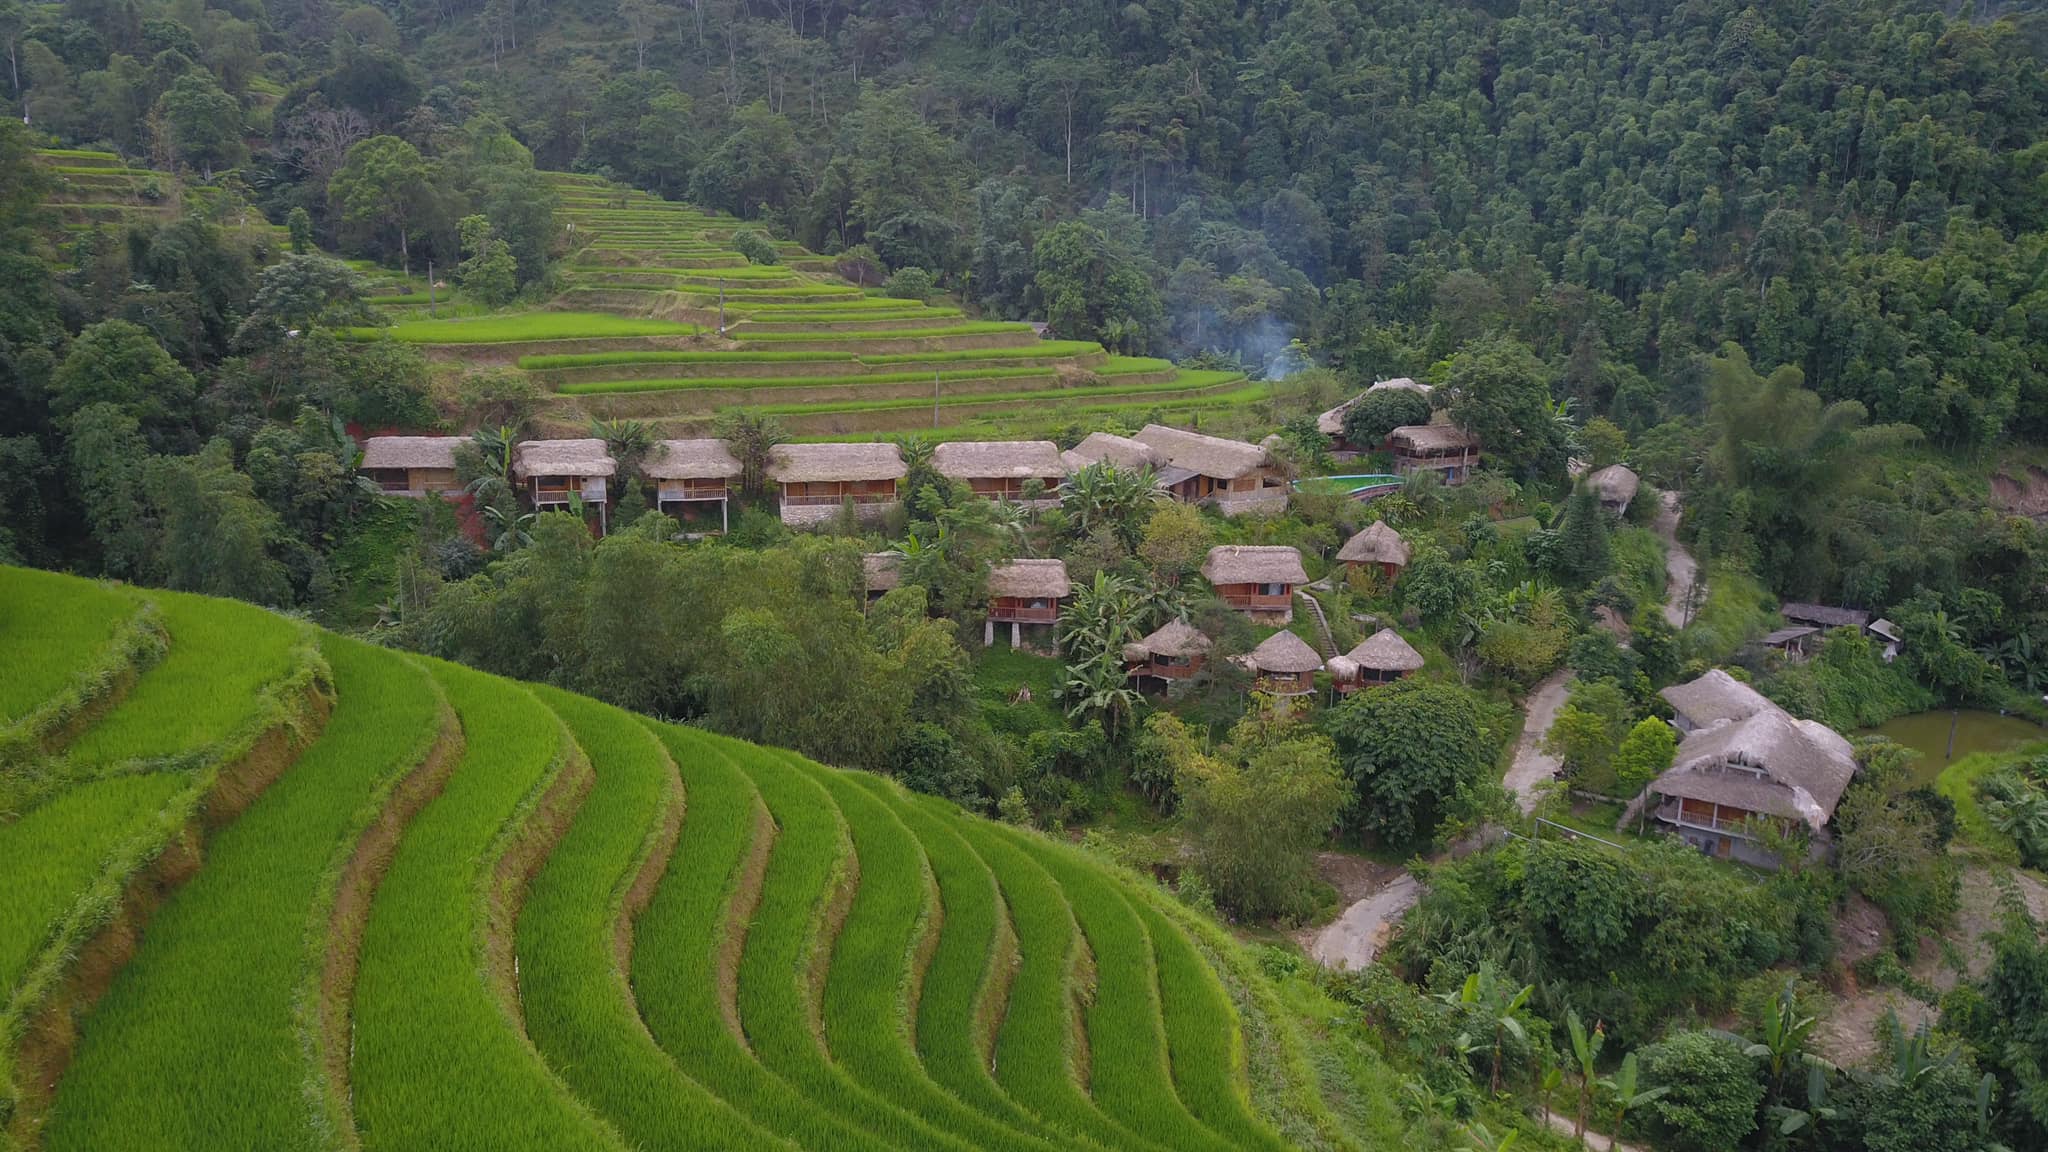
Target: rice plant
column 52, row 629
column 866, row 991
column 1035, row 1059
column 437, row 1061
column 949, row 1020
column 973, row 328
column 1130, row 1076
column 577, row 1007
column 775, row 972
column 692, row 383
column 678, row 941
column 221, row 655
column 225, row 968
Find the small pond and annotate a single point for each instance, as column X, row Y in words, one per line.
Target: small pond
column 1928, row 734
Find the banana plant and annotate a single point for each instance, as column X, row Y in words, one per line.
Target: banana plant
column 1624, row 1088
column 1785, row 1034
column 1586, row 1051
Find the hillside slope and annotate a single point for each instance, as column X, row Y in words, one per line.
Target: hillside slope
column 351, row 898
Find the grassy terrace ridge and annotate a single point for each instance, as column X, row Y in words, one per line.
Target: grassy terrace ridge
column 687, row 383
column 680, row 940
column 522, row 327
column 1048, row 349
column 1185, row 380
column 809, row 863
column 579, row 1010
column 53, row 631
column 222, row 654
column 224, row 966
column 866, row 1009
column 437, row 1063
column 972, row 328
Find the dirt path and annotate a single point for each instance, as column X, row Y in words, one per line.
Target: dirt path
column 1534, row 766
column 1353, row 939
column 1680, row 570
column 1594, row 1140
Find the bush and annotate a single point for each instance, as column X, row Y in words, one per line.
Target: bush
column 1379, row 413
column 758, row 249
column 908, row 284
column 1643, row 756
column 1712, row 1091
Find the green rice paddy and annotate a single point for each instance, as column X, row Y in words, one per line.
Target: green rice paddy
column 522, row 326
column 52, row 631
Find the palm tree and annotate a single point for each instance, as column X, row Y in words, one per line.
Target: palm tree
column 753, row 439
column 1586, row 1052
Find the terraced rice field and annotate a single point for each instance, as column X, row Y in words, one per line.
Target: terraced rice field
column 460, row 912
column 661, row 319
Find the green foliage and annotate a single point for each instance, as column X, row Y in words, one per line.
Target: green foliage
column 1588, row 730
column 490, row 274
column 912, row 283
column 1645, row 753
column 1500, row 393
column 1583, row 554
column 118, row 363
column 1712, row 1091
column 1419, row 754
column 1094, row 289
column 1368, row 421
column 385, row 190
column 758, row 249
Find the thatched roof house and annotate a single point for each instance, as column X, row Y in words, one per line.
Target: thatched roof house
column 1768, row 765
column 1443, row 448
column 811, row 463
column 1175, row 638
column 999, row 469
column 1283, row 665
column 411, row 465
column 691, row 460
column 1030, row 580
column 1377, row 659
column 534, row 459
column 1711, row 699
column 881, row 572
column 1615, row 485
column 1825, row 615
column 1377, row 544
column 1120, row 452
column 819, row 479
column 1254, row 564
column 1211, row 456
column 1237, row 477
column 1024, row 592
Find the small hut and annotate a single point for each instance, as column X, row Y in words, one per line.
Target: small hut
column 559, row 471
column 1381, row 658
column 1256, row 579
column 999, row 469
column 1024, row 592
column 1235, row 476
column 1377, row 545
column 1709, row 699
column 689, row 472
column 818, row 479
column 1616, row 486
column 1796, row 642
column 411, row 466
column 1175, row 651
column 1445, row 449
column 1284, row 665
column 881, row 573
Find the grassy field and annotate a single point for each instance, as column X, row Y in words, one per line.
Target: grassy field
column 523, row 326
column 222, row 653
column 435, row 1062
column 223, row 971
column 53, row 630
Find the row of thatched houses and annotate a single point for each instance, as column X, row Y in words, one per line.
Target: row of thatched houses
column 816, row 480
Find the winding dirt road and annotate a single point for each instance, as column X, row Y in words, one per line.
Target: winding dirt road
column 1680, row 570
column 1533, row 766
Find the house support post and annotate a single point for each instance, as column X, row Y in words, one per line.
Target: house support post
column 1016, row 635
column 988, row 633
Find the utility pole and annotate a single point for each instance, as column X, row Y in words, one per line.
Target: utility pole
column 721, row 308
column 935, row 399
column 430, row 286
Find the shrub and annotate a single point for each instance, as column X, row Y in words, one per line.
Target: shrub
column 908, row 284
column 1644, row 755
column 1712, row 1091
column 758, row 249
column 1379, row 413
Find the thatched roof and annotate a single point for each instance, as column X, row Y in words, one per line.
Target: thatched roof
column 411, row 451
column 691, row 460
column 1615, row 483
column 998, row 460
column 1253, row 564
column 586, row 457
column 1787, row 635
column 1385, row 651
column 1885, row 628
column 1207, row 455
column 1331, row 423
column 1432, row 437
column 1714, row 697
column 1806, row 766
column 1121, row 451
column 1378, row 544
column 1030, row 579
column 1824, row 615
column 881, row 571
column 1402, row 384
column 800, row 463
column 1173, row 638
column 1284, row 652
